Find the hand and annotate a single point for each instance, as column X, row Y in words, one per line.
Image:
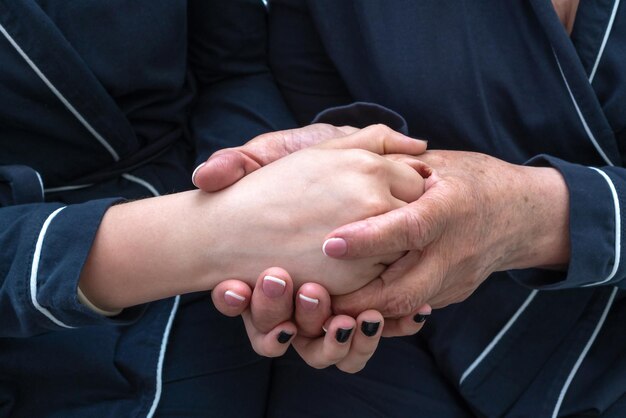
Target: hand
column 252, row 224
column 227, row 166
column 478, row 215
column 279, row 214
column 267, row 313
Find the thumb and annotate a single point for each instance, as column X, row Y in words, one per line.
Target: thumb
column 410, row 227
column 227, row 166
column 223, row 169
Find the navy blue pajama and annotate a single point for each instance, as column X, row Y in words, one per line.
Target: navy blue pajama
column 505, row 79
column 106, row 101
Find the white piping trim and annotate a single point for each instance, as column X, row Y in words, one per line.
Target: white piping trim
column 66, row 188
column 606, row 38
column 57, row 93
column 582, row 119
column 43, row 192
column 35, row 270
column 618, row 230
column 159, row 376
column 583, row 354
column 498, row 337
column 142, row 182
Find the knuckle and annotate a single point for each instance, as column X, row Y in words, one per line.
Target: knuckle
column 269, row 136
column 380, row 130
column 375, row 205
column 351, row 368
column 334, row 358
column 259, row 348
column 419, row 228
column 362, row 351
column 317, row 363
column 414, row 226
column 367, row 161
column 400, row 304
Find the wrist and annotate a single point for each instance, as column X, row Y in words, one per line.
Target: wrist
column 153, row 249
column 545, row 219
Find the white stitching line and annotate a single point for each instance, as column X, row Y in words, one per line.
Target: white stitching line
column 583, row 354
column 66, row 188
column 57, row 93
column 43, row 193
column 618, row 230
column 498, row 337
column 159, row 378
column 142, row 182
column 606, row 38
column 35, row 270
column 580, row 115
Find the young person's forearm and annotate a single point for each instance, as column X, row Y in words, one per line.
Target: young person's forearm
column 153, row 249
column 276, row 216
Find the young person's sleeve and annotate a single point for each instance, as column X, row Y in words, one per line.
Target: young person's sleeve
column 43, row 249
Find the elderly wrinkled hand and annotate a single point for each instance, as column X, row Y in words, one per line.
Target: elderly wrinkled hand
column 478, row 215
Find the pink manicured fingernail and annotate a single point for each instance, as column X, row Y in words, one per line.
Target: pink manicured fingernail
column 335, row 247
column 308, row 303
column 233, row 299
column 193, row 175
column 273, row 287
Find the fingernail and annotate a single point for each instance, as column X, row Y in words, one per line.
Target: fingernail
column 335, row 247
column 420, row 317
column 233, row 299
column 308, row 303
column 273, row 287
column 284, row 337
column 193, row 175
column 369, row 328
column 343, row 334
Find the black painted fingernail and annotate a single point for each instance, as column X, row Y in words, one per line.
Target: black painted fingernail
column 284, row 337
column 419, row 318
column 369, row 328
column 343, row 334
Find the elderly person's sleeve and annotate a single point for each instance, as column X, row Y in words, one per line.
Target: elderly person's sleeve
column 44, row 247
column 597, row 210
column 237, row 96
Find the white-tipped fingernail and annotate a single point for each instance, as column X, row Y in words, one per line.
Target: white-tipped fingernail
column 234, row 295
column 334, row 247
column 193, row 175
column 275, row 280
column 308, row 299
column 273, row 286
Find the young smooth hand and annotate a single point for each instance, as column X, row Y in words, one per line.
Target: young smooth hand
column 279, row 214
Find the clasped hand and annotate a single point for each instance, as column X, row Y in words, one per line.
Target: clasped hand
column 349, row 183
column 478, row 215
